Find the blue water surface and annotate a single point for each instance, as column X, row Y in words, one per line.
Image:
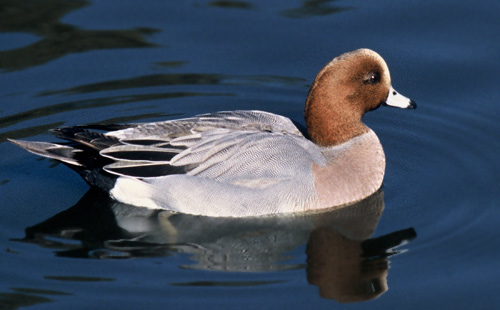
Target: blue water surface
column 70, row 62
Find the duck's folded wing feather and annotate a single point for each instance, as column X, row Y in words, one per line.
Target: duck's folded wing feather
column 226, row 146
column 238, row 120
column 220, row 154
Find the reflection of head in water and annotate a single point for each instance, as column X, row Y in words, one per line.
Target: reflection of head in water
column 341, row 259
column 335, row 261
column 337, row 266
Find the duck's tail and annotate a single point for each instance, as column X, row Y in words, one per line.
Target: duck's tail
column 63, row 153
column 78, row 154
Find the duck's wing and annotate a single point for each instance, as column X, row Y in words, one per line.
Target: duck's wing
column 226, row 146
column 241, row 146
column 238, row 120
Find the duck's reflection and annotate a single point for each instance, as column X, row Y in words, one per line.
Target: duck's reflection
column 341, row 259
column 344, row 270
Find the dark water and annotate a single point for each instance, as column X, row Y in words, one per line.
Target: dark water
column 68, row 62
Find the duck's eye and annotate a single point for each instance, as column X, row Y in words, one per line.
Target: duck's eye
column 372, row 78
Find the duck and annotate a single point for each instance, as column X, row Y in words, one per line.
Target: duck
column 244, row 163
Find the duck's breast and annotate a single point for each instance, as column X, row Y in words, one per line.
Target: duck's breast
column 354, row 170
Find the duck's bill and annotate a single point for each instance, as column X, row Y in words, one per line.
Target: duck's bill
column 395, row 99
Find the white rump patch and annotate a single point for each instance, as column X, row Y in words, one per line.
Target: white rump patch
column 134, row 192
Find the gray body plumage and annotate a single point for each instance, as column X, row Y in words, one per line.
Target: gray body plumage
column 240, row 163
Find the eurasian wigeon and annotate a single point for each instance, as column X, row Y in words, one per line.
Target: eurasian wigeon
column 245, row 163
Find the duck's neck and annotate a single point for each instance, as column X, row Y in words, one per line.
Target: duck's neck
column 328, row 122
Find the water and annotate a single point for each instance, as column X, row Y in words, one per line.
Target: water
column 72, row 62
